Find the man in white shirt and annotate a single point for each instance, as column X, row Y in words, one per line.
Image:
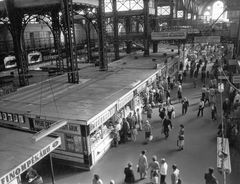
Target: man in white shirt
column 163, row 171
column 201, row 107
column 175, row 176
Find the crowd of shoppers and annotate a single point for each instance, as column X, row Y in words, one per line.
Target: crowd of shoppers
column 158, row 171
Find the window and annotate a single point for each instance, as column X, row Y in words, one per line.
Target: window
column 108, row 6
column 207, row 16
column 126, row 5
column 164, row 10
column 73, row 143
column 179, row 14
column 218, row 9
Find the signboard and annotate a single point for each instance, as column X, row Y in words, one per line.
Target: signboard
column 207, row 39
column 233, row 5
column 69, row 128
column 177, row 35
column 102, row 118
column 232, row 62
column 17, row 118
column 34, row 57
column 233, row 15
column 140, row 88
column 193, row 31
column 10, row 62
column 122, row 102
column 16, row 172
column 223, row 77
column 236, row 79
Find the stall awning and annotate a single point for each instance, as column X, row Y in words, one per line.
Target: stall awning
column 18, row 152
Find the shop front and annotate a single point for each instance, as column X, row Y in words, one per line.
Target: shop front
column 100, row 137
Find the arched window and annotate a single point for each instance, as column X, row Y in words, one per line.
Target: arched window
column 207, row 16
column 218, row 8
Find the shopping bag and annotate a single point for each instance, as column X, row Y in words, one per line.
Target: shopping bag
column 173, row 114
column 151, row 137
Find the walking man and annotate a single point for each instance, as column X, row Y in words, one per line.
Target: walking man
column 213, row 112
column 185, row 105
column 163, row 171
column 207, row 97
column 203, row 90
column 209, row 177
column 167, row 126
column 200, row 108
column 212, row 94
column 175, row 176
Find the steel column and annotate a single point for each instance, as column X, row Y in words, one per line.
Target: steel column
column 103, row 64
column 146, row 27
column 70, row 43
column 115, row 29
column 56, row 36
column 88, row 35
column 171, row 13
column 16, row 29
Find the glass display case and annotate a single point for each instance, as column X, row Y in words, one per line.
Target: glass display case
column 73, row 143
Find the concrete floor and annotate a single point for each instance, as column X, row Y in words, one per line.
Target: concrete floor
column 199, row 152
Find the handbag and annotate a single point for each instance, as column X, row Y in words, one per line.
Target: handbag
column 151, row 137
column 179, row 181
column 137, row 168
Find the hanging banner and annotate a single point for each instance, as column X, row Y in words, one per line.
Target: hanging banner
column 177, row 35
column 207, row 39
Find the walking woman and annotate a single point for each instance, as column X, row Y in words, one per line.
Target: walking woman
column 181, row 138
column 154, row 167
column 129, row 174
column 148, row 131
column 143, row 165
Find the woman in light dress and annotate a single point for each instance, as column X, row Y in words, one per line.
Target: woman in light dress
column 143, row 165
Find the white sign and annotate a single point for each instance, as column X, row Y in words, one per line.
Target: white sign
column 34, row 57
column 122, row 102
column 232, row 62
column 169, row 35
column 207, row 39
column 69, row 128
column 236, row 79
column 30, row 162
column 193, row 31
column 223, row 77
column 102, row 118
column 141, row 88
